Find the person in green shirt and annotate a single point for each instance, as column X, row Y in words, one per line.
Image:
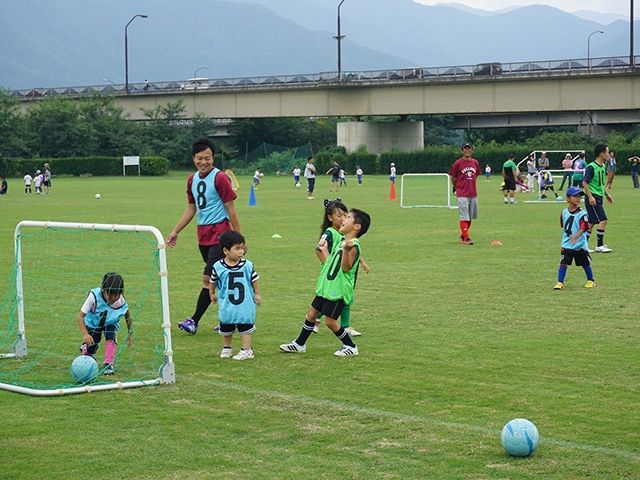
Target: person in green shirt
column 509, row 175
column 335, row 285
column 594, row 183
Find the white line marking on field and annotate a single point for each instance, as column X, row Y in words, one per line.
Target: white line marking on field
column 414, row 418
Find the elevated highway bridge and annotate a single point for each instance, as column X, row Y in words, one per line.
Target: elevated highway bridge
column 593, row 93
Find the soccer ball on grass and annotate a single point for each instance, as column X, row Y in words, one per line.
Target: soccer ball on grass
column 520, row 437
column 97, row 196
column 84, row 368
column 559, row 199
column 298, row 185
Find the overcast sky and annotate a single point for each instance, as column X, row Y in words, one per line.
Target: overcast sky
column 621, row 7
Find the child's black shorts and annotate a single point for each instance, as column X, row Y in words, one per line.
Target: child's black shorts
column 581, row 257
column 329, row 308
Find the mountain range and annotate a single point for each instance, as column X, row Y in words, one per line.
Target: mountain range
column 81, row 42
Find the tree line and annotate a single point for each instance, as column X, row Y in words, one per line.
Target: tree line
column 96, row 126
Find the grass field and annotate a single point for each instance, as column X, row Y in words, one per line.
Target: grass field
column 457, row 340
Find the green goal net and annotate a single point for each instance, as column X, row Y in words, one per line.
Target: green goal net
column 56, row 264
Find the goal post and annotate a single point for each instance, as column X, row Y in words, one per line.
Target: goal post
column 426, row 190
column 56, row 264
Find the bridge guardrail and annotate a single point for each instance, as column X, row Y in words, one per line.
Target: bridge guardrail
column 425, row 74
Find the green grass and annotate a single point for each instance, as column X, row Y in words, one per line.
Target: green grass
column 457, row 340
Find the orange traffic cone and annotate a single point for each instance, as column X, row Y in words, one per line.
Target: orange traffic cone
column 392, row 193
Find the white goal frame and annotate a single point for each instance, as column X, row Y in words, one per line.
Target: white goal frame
column 166, row 372
column 447, row 186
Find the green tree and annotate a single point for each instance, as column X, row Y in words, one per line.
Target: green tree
column 12, row 127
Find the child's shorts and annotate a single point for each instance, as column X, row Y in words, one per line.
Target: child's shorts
column 581, row 257
column 329, row 308
column 228, row 329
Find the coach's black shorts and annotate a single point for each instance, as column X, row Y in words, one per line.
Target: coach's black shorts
column 328, row 308
column 210, row 254
column 509, row 184
column 596, row 214
column 581, row 257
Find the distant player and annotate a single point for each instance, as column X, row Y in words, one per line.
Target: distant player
column 596, row 191
column 545, row 180
column 487, row 173
column 27, row 183
column 256, row 178
column 392, row 175
column 574, row 223
column 464, row 175
column 359, row 175
column 296, row 175
column 509, row 175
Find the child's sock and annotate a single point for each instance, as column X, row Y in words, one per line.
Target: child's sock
column 345, row 316
column 589, row 272
column 562, row 273
column 343, row 335
column 306, row 331
column 204, row 300
column 109, row 352
column 600, row 234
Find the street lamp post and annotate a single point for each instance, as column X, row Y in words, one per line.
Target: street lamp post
column 195, row 74
column 339, row 38
column 126, row 52
column 632, row 61
column 589, row 47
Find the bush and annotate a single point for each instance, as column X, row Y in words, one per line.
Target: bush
column 97, row 166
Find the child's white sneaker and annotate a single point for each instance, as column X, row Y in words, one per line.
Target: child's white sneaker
column 293, row 347
column 346, row 350
column 244, row 355
column 226, row 353
column 352, row 332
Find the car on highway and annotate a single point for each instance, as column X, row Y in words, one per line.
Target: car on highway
column 195, row 84
column 493, row 68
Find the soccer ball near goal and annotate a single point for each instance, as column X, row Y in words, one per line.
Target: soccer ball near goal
column 298, row 185
column 520, row 437
column 97, row 196
column 84, row 368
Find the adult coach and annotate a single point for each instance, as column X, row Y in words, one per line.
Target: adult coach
column 594, row 181
column 211, row 197
column 464, row 174
column 509, row 175
column 310, row 175
column 335, row 175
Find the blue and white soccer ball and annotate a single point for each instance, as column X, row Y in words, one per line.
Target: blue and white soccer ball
column 559, row 199
column 84, row 368
column 520, row 437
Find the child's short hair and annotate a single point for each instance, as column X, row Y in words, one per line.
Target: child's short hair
column 229, row 239
column 112, row 282
column 361, row 218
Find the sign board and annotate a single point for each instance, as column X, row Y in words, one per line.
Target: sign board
column 128, row 161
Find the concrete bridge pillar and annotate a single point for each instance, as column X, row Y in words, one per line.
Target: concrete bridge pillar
column 598, row 131
column 380, row 137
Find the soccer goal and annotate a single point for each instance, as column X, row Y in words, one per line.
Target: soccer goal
column 553, row 156
column 232, row 176
column 425, row 190
column 56, row 264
